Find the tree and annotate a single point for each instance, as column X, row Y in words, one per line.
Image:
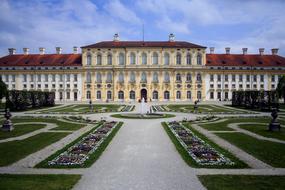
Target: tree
column 3, row 90
column 281, row 88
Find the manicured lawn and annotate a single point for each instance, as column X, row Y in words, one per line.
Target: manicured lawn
column 263, row 131
column 20, row 130
column 188, row 159
column 138, row 116
column 15, row 150
column 42, row 182
column 202, row 108
column 93, row 157
column 242, row 182
column 269, row 152
column 61, row 124
column 222, row 126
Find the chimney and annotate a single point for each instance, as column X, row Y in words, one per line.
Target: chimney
column 116, row 37
column 261, row 51
column 212, row 50
column 171, row 37
column 75, row 50
column 12, row 51
column 228, row 50
column 42, row 50
column 58, row 50
column 274, row 51
column 244, row 51
column 26, row 51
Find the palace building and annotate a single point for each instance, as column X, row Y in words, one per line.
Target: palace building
column 130, row 70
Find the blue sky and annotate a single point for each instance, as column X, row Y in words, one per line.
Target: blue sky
column 67, row 23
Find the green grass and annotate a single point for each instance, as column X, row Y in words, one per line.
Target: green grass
column 15, row 150
column 42, row 182
column 262, row 130
column 92, row 158
column 202, row 108
column 61, row 124
column 20, row 129
column 269, row 152
column 188, row 159
column 242, row 182
column 222, row 126
column 139, row 117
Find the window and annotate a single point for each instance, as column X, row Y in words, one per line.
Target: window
column 132, row 95
column 272, row 78
column 46, row 85
column 98, row 78
column 53, row 78
column 254, row 78
column 226, row 95
column 155, row 77
column 198, row 77
column 68, row 95
column 121, row 95
column 99, row 59
column 75, row 77
column 233, row 78
column 89, row 59
column 121, row 59
column 154, row 58
column 233, row 86
column 144, row 59
column 188, row 59
column 88, row 77
column 39, row 78
column 60, row 78
column 178, row 95
column 155, row 95
column 88, row 95
column 211, row 95
column 219, row 77
column 121, row 77
column 247, row 78
column 261, row 78
column 211, row 78
column 226, row 78
column 166, row 59
column 166, row 95
column 67, row 77
column 6, row 78
column 109, row 59
column 143, row 77
column 178, row 77
column 109, row 95
column 240, row 78
column 133, row 77
column 166, row 77
column 188, row 77
column 46, row 77
column 199, row 95
column 98, row 95
column 199, row 59
column 109, row 77
column 24, row 78
column 133, row 59
column 178, row 59
column 189, row 95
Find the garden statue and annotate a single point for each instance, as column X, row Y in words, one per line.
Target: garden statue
column 196, row 106
column 274, row 124
column 91, row 106
column 7, row 126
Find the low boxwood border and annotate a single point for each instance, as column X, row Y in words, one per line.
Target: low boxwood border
column 127, row 117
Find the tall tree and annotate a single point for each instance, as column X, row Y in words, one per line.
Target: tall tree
column 3, row 89
column 281, row 88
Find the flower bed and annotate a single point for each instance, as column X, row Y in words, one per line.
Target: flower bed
column 127, row 108
column 80, row 152
column 158, row 108
column 198, row 149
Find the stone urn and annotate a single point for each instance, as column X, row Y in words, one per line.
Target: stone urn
column 274, row 124
column 7, row 125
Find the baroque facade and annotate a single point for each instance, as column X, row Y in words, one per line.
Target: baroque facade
column 130, row 70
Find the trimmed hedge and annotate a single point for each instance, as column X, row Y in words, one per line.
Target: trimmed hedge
column 18, row 100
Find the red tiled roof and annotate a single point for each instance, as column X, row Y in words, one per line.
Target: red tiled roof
column 41, row 60
column 245, row 60
column 123, row 44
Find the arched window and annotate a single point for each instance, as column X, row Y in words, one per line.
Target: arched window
column 198, row 77
column 155, row 77
column 155, row 95
column 98, row 78
column 188, row 59
column 121, row 77
column 109, row 59
column 88, row 77
column 89, row 59
column 189, row 95
column 178, row 59
column 143, row 77
column 199, row 59
column 188, row 77
column 109, row 77
column 133, row 58
column 178, row 77
column 178, row 95
column 98, row 95
column 166, row 59
column 132, row 95
column 99, row 59
column 199, row 95
column 154, row 58
column 121, row 95
column 121, row 59
column 166, row 77
column 166, row 95
column 109, row 95
column 88, row 95
column 132, row 77
column 144, row 59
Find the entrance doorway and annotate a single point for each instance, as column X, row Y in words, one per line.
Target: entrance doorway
column 144, row 94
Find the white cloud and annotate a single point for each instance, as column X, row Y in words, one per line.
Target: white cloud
column 173, row 26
